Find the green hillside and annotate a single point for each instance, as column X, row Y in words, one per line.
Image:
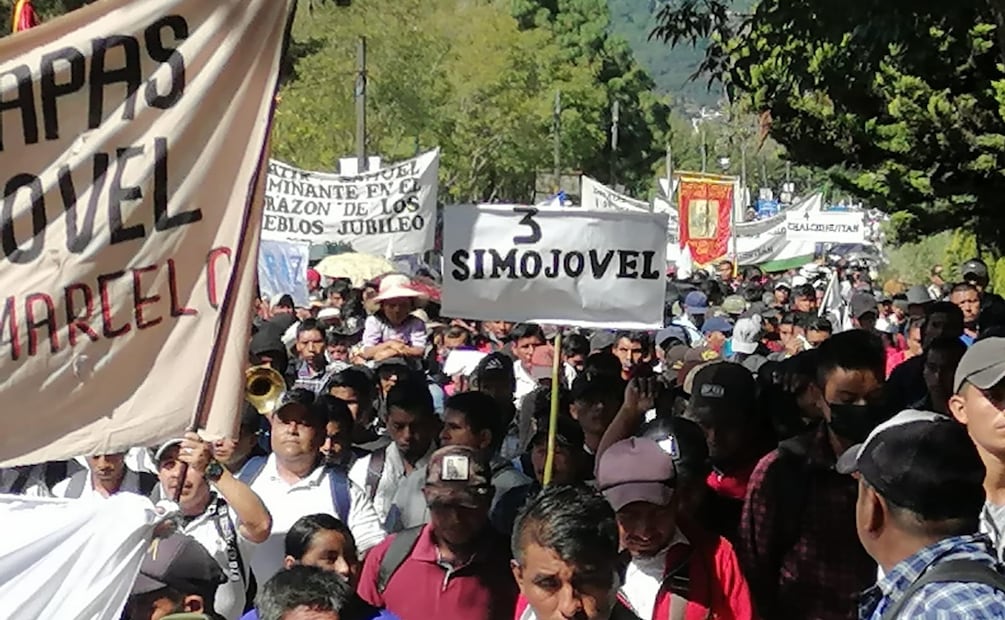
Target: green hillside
column 669, row 67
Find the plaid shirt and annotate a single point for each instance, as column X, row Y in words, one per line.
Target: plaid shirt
column 309, row 379
column 798, row 543
column 973, row 601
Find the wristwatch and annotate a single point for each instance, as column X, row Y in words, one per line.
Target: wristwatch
column 214, row 470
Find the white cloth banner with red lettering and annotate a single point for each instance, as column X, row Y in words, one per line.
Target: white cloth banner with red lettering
column 132, row 156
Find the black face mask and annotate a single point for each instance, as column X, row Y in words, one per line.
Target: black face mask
column 854, row 422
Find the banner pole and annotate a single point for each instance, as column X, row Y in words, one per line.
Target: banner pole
column 556, row 364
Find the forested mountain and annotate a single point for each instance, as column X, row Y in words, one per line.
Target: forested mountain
column 669, row 67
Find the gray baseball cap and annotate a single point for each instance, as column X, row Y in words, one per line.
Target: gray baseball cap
column 983, row 365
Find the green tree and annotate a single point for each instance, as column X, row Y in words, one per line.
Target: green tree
column 901, row 101
column 491, row 118
column 583, row 33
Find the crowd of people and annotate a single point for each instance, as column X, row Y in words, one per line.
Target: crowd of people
column 809, row 445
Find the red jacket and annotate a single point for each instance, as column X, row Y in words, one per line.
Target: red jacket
column 717, row 589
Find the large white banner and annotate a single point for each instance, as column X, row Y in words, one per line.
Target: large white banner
column 826, row 226
column 595, row 196
column 282, row 269
column 72, row 559
column 585, row 268
column 133, row 166
column 393, row 208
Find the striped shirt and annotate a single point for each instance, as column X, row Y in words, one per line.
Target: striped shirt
column 937, row 601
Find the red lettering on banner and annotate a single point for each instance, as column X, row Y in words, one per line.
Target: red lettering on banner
column 90, row 302
column 139, row 300
column 176, row 309
column 81, row 323
column 10, row 320
column 212, row 289
column 106, row 306
column 32, row 324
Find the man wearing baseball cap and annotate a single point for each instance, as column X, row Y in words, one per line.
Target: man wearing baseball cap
column 455, row 566
column 673, row 565
column 177, row 575
column 920, row 490
column 978, row 403
column 724, row 404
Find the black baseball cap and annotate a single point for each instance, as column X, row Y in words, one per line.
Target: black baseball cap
column 720, row 391
column 921, row 461
column 178, row 562
column 686, row 443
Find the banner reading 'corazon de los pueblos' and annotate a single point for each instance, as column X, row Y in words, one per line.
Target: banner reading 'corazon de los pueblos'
column 393, row 208
column 132, row 138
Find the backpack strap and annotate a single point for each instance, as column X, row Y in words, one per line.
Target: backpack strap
column 55, row 471
column 251, row 468
column 78, row 481
column 220, row 515
column 375, row 471
column 955, row 571
column 21, row 481
column 340, row 493
column 148, row 482
column 397, row 552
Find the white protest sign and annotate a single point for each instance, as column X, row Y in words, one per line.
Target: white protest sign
column 585, row 268
column 132, row 137
column 826, row 226
column 282, row 268
column 764, row 241
column 394, row 207
column 595, row 196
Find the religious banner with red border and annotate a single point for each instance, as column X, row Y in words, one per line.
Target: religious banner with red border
column 706, row 207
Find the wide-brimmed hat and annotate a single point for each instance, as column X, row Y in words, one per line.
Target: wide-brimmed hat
column 396, row 286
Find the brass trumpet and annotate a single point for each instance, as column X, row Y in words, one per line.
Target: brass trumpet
column 263, row 388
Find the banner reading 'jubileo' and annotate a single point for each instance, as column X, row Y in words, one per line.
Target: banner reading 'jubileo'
column 585, row 268
column 391, row 208
column 132, row 137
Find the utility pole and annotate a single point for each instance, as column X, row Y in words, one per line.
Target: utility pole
column 704, row 148
column 557, row 130
column 615, row 117
column 361, row 105
column 669, row 168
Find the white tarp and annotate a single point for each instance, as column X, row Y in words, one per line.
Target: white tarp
column 585, row 268
column 132, row 158
column 282, row 268
column 826, row 226
column 71, row 559
column 391, row 208
column 595, row 196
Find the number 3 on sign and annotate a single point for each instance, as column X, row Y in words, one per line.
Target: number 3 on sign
column 528, row 220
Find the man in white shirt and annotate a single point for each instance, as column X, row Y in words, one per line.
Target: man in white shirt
column 219, row 511
column 412, row 425
column 293, row 481
column 525, row 338
column 106, row 475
